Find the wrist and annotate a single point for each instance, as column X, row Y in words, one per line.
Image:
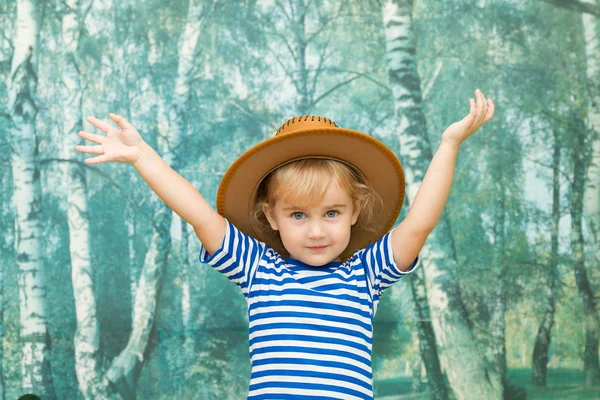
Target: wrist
column 450, row 144
column 143, row 153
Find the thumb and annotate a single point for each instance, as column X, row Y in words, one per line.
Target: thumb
column 121, row 121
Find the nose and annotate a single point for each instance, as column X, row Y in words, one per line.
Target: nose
column 315, row 230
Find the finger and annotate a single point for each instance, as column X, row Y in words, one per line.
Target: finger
column 472, row 113
column 103, row 126
column 91, row 137
column 484, row 104
column 477, row 104
column 96, row 160
column 490, row 111
column 473, row 110
column 90, row 149
column 481, row 108
column 121, row 121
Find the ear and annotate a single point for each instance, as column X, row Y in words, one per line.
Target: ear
column 268, row 210
column 355, row 212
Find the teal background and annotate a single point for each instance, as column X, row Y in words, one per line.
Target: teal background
column 244, row 81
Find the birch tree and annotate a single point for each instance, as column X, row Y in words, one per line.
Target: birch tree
column 426, row 337
column 6, row 46
column 22, row 108
column 87, row 335
column 198, row 15
column 591, row 197
column 539, row 360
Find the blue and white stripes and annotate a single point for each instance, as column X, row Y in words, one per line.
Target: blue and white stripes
column 310, row 328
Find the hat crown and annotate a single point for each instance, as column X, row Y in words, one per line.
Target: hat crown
column 305, row 122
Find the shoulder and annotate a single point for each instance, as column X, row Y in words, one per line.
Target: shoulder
column 382, row 244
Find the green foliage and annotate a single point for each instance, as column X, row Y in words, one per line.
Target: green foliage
column 246, row 80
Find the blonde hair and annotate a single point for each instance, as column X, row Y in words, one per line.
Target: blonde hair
column 305, row 182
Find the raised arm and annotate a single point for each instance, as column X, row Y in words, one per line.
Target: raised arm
column 182, row 197
column 126, row 145
column 425, row 212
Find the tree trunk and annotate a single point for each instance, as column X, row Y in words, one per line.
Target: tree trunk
column 198, row 13
column 35, row 362
column 498, row 312
column 417, row 382
column 186, row 303
column 188, row 44
column 134, row 268
column 591, row 368
column 8, row 233
column 468, row 372
column 126, row 367
column 427, row 346
column 499, row 54
column 539, row 361
column 591, row 199
column 304, row 100
column 87, row 335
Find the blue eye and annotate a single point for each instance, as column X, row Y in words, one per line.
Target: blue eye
column 328, row 214
column 296, row 213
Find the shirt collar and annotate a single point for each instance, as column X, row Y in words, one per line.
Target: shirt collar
column 297, row 265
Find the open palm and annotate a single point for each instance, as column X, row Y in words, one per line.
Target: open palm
column 119, row 145
column 480, row 113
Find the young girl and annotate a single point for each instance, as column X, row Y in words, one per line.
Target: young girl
column 303, row 228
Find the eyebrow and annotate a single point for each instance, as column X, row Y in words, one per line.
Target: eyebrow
column 302, row 208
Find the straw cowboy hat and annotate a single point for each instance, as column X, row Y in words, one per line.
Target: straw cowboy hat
column 312, row 137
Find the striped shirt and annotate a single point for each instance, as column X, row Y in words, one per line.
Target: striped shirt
column 310, row 328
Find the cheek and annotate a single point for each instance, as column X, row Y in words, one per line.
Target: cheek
column 288, row 231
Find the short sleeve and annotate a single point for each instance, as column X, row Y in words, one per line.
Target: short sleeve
column 237, row 258
column 380, row 267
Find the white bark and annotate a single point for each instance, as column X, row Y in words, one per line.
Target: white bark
column 186, row 304
column 188, row 43
column 188, row 48
column 130, row 221
column 8, row 235
column 2, row 323
column 22, row 82
column 591, row 199
column 86, row 340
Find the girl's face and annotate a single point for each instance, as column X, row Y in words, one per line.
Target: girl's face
column 318, row 235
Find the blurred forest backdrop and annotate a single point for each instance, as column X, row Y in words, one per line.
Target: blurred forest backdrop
column 101, row 291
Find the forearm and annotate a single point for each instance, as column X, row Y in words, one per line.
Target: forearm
column 176, row 192
column 429, row 202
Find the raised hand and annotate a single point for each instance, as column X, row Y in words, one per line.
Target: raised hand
column 119, row 145
column 480, row 113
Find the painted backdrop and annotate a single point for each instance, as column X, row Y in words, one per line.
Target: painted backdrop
column 101, row 291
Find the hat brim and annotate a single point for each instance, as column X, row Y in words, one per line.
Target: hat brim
column 238, row 189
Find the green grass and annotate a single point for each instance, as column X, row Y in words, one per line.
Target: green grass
column 563, row 384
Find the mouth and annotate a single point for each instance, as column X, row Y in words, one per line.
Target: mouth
column 317, row 248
